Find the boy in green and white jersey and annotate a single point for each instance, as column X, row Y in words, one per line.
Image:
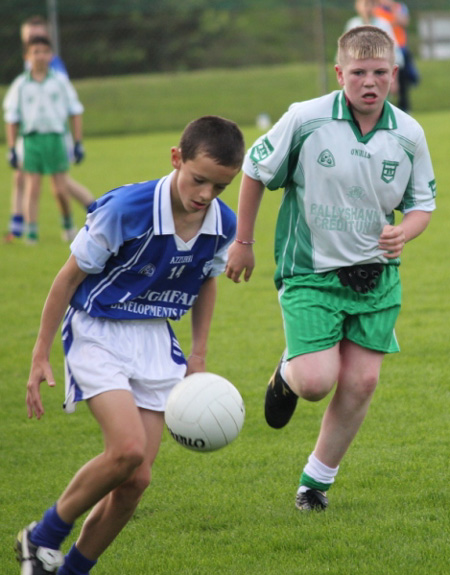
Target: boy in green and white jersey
column 346, row 161
column 39, row 104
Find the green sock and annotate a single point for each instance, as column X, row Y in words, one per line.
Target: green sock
column 32, row 231
column 67, row 222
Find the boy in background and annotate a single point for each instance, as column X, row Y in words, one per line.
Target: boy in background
column 346, row 161
column 37, row 26
column 38, row 105
column 149, row 252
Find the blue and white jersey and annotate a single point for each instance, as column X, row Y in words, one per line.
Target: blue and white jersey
column 138, row 267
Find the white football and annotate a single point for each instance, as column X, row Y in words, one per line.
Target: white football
column 204, row 412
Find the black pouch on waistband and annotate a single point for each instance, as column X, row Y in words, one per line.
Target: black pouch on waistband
column 362, row 278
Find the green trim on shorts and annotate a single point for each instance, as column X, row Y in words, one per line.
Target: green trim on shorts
column 44, row 154
column 318, row 312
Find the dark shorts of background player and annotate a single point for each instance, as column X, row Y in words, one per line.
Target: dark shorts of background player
column 318, row 312
column 44, row 154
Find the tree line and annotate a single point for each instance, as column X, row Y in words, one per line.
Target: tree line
column 116, row 37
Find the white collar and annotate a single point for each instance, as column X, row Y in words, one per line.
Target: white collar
column 163, row 216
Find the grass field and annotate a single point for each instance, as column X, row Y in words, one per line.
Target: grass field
column 232, row 512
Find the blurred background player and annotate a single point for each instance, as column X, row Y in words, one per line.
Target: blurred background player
column 39, row 103
column 37, row 26
column 397, row 14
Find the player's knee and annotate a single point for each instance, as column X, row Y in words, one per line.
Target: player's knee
column 366, row 385
column 360, row 387
column 314, row 387
column 126, row 457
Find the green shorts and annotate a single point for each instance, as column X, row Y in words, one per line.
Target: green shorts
column 44, row 154
column 318, row 312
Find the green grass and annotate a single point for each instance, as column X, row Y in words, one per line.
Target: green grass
column 231, row 512
column 164, row 102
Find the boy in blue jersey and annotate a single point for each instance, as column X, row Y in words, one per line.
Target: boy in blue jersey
column 149, row 252
column 346, row 161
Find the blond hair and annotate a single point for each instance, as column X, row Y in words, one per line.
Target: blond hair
column 34, row 22
column 364, row 42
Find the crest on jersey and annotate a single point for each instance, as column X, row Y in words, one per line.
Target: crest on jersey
column 148, row 270
column 261, row 151
column 356, row 193
column 326, row 159
column 388, row 172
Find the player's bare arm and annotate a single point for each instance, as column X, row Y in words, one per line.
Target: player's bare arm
column 240, row 254
column 394, row 238
column 11, row 134
column 77, row 127
column 58, row 299
column 201, row 318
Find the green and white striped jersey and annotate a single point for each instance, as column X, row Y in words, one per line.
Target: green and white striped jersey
column 42, row 107
column 340, row 188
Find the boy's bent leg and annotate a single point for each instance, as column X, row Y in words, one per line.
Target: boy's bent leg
column 125, row 450
column 358, row 378
column 312, row 375
column 113, row 512
column 125, row 444
column 79, row 192
column 61, row 194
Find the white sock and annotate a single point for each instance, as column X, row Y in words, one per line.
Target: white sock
column 319, row 472
column 283, row 365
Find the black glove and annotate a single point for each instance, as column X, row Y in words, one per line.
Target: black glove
column 78, row 152
column 362, row 278
column 12, row 158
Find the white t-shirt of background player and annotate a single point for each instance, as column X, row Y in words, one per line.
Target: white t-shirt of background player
column 138, row 267
column 341, row 188
column 42, row 107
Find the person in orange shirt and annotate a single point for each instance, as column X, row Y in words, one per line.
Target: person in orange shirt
column 397, row 14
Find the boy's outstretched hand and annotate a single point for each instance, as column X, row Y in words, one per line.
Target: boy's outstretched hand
column 240, row 257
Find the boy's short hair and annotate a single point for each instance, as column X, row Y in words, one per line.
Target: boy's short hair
column 217, row 137
column 37, row 40
column 364, row 42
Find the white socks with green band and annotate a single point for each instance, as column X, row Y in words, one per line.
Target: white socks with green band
column 317, row 475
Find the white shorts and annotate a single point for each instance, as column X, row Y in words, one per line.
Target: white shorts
column 140, row 356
